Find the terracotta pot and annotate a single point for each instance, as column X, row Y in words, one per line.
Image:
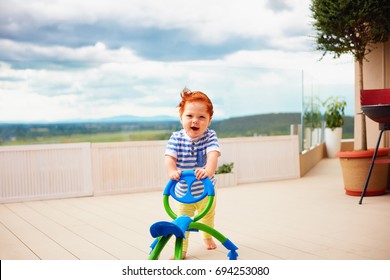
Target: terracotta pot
column 355, row 166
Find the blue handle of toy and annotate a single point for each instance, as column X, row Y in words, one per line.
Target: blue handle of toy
column 189, row 177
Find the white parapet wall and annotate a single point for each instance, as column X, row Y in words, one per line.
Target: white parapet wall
column 45, row 171
column 259, row 159
column 128, row 167
column 83, row 169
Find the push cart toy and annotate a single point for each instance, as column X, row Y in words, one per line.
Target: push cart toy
column 162, row 231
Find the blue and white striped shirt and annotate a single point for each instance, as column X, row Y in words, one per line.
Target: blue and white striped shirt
column 191, row 154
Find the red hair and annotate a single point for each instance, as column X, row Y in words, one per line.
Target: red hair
column 195, row 96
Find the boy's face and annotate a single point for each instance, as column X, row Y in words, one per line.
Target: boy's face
column 195, row 119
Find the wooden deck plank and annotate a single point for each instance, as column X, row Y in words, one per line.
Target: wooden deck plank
column 42, row 246
column 306, row 218
column 131, row 240
column 76, row 246
column 12, row 248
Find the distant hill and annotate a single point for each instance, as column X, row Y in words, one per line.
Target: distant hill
column 157, row 128
column 348, row 127
column 264, row 124
column 267, row 125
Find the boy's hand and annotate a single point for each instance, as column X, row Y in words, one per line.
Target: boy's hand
column 201, row 173
column 175, row 175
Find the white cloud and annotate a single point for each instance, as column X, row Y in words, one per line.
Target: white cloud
column 147, row 87
column 97, row 53
column 51, row 80
column 210, row 21
column 327, row 70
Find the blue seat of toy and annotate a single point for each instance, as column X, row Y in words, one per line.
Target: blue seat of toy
column 189, row 177
column 178, row 227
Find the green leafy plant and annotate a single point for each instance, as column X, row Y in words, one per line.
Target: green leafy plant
column 312, row 116
column 351, row 27
column 225, row 168
column 334, row 114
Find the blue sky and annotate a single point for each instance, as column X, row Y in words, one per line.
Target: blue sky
column 84, row 59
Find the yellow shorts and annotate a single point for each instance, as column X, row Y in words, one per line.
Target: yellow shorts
column 192, row 209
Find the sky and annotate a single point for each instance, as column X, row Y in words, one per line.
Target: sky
column 87, row 59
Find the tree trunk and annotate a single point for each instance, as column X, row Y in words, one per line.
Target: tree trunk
column 363, row 121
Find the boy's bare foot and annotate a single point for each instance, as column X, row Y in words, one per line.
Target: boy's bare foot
column 209, row 244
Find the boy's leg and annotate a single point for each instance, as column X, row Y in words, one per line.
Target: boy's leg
column 188, row 210
column 208, row 220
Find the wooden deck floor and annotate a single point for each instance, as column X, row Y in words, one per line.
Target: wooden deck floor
column 303, row 219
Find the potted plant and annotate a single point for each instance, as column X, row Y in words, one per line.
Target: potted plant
column 225, row 176
column 334, row 121
column 353, row 27
column 312, row 119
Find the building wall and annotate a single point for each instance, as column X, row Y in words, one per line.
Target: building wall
column 376, row 72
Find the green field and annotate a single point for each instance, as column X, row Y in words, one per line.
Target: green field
column 146, row 135
column 247, row 126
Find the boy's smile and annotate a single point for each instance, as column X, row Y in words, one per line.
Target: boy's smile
column 195, row 119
